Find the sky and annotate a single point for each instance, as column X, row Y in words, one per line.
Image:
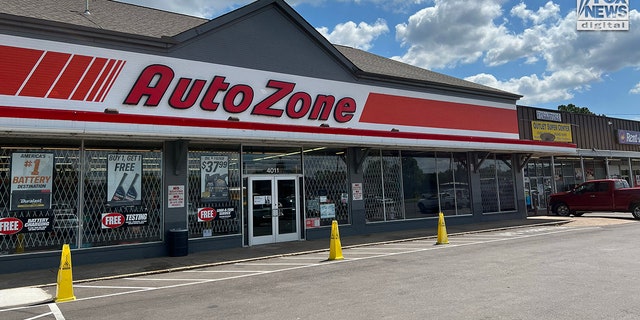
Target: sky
column 530, row 48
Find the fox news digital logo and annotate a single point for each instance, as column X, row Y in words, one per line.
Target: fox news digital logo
column 605, row 15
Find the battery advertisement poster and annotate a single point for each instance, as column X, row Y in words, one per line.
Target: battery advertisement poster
column 214, row 178
column 31, row 181
column 123, row 179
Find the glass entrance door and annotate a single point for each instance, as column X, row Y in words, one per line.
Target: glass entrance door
column 273, row 209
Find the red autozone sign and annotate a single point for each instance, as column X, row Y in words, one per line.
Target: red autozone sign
column 81, row 88
column 211, row 94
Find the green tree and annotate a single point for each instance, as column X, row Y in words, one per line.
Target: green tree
column 573, row 109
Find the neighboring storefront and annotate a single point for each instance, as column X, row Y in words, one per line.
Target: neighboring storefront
column 247, row 129
column 606, row 148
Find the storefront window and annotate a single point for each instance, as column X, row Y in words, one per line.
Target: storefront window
column 568, row 173
column 538, row 184
column 139, row 173
column 497, row 185
column 635, row 169
column 594, row 168
column 619, row 169
column 82, row 197
column 39, row 188
column 434, row 183
column 326, row 184
column 214, row 191
column 271, row 160
column 382, row 186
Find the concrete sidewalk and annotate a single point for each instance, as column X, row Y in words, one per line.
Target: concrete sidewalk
column 35, row 287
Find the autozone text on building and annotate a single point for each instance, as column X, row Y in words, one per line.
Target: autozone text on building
column 155, row 80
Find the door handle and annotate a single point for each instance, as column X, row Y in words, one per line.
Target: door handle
column 278, row 214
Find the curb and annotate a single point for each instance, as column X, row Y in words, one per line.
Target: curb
column 25, row 296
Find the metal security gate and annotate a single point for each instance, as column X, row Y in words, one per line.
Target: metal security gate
column 73, row 213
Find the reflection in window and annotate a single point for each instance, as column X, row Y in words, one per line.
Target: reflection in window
column 271, row 160
column 326, row 185
column 434, row 183
column 383, row 186
column 497, row 184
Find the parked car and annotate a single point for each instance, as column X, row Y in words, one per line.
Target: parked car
column 65, row 221
column 429, row 203
column 597, row 195
column 64, row 216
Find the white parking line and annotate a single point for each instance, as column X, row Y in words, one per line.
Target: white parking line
column 224, row 271
column 56, row 311
column 162, row 279
column 302, row 258
column 270, row 264
column 369, row 253
column 369, row 248
column 109, row 287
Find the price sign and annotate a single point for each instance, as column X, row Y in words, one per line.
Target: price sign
column 214, row 178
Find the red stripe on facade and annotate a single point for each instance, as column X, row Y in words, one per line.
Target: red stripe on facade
column 70, row 77
column 88, row 79
column 15, row 66
column 101, row 80
column 406, row 111
column 70, row 115
column 45, row 74
column 109, row 81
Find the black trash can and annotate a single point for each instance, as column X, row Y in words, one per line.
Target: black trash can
column 178, row 242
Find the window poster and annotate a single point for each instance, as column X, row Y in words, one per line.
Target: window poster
column 31, row 180
column 214, row 178
column 124, row 184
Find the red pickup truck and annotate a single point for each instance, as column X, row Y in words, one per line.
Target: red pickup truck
column 597, row 195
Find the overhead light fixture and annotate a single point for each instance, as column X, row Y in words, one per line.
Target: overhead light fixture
column 233, row 119
column 111, row 111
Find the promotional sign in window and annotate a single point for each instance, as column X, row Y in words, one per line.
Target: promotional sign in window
column 123, row 179
column 12, row 225
column 175, row 196
column 31, row 181
column 214, row 178
column 113, row 220
column 209, row 214
column 327, row 211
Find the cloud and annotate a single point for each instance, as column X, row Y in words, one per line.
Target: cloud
column 635, row 89
column 453, row 33
column 359, row 36
column 549, row 11
column 198, row 8
column 541, row 89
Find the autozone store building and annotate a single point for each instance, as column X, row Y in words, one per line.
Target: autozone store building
column 243, row 130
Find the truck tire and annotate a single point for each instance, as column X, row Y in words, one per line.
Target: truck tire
column 562, row 209
column 635, row 210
